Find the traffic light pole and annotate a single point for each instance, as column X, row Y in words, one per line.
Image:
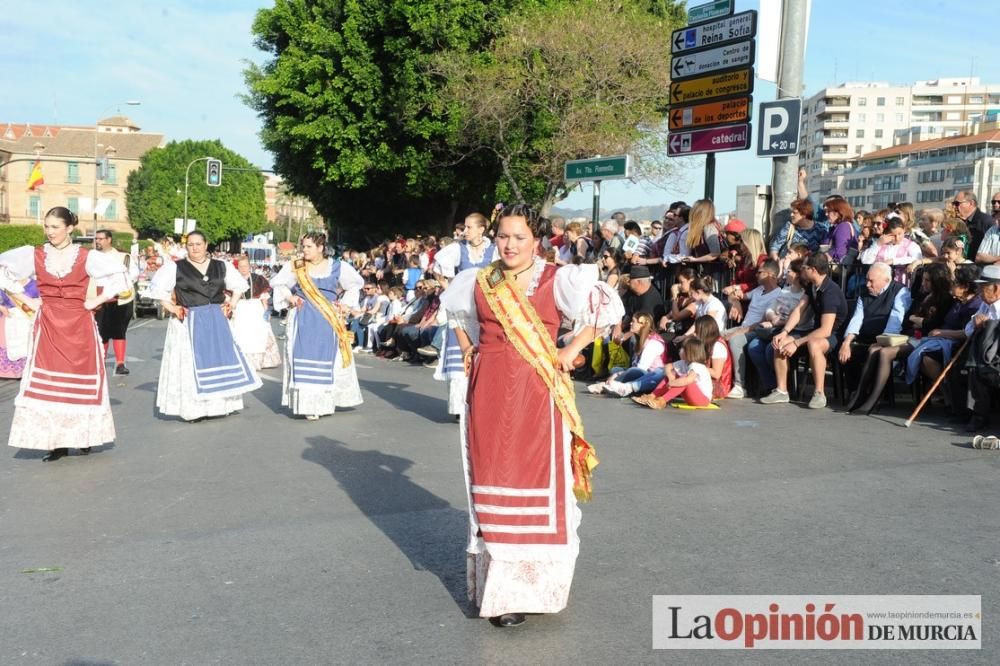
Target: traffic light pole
column 187, row 183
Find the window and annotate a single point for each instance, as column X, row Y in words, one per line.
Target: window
column 976, row 99
column 880, row 117
column 899, row 117
column 963, row 175
column 878, row 134
column 112, row 176
column 34, row 205
column 880, row 101
column 112, row 211
column 72, row 172
column 858, row 149
column 886, row 183
column 855, row 184
column 930, row 196
column 859, row 134
column 899, row 101
column 934, row 176
column 73, row 203
column 862, row 117
column 862, row 101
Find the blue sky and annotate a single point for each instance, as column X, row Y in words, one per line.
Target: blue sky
column 184, row 62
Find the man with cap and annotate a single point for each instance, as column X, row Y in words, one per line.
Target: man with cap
column 981, row 388
column 642, row 296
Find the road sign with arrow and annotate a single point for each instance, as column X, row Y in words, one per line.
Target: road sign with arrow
column 726, row 112
column 714, row 140
column 712, row 87
column 730, row 29
column 698, row 63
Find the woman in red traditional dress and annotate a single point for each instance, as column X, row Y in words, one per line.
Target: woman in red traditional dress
column 64, row 391
column 525, row 458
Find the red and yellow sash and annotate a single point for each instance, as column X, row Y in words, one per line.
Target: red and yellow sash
column 528, row 335
column 344, row 337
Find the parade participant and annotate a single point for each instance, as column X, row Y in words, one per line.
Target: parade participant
column 251, row 329
column 17, row 316
column 203, row 372
column 319, row 372
column 524, row 454
column 113, row 317
column 475, row 251
column 64, row 391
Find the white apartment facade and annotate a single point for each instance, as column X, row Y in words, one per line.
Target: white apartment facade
column 841, row 124
column 925, row 173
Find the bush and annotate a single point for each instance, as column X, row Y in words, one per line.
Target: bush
column 16, row 235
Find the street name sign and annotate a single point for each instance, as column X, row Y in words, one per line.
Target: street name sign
column 698, row 63
column 709, row 11
column 731, row 29
column 714, row 140
column 726, row 112
column 712, row 87
column 778, row 130
column 598, row 168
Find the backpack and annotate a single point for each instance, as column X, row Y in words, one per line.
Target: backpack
column 984, row 353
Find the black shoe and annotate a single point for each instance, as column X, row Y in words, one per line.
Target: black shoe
column 977, row 423
column 121, row 370
column 55, row 454
column 508, row 620
column 85, row 451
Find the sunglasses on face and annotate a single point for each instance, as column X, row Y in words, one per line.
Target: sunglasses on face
column 995, row 202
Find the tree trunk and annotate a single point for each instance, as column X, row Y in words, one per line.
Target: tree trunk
column 510, row 179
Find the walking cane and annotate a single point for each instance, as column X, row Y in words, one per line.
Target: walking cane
column 944, row 373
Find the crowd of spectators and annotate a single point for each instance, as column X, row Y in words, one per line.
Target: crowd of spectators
column 716, row 311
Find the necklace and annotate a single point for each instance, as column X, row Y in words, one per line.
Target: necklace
column 199, row 264
column 479, row 244
column 523, row 270
column 62, row 247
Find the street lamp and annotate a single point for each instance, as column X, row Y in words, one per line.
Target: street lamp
column 118, row 109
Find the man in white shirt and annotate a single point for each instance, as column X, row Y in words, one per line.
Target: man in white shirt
column 980, row 392
column 989, row 249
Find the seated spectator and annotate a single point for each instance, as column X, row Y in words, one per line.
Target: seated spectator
column 989, row 249
column 746, row 253
column 414, row 336
column 760, row 299
column 880, row 310
column 955, row 227
column 829, row 307
column 925, row 315
column 642, row 296
column 933, row 351
column 412, row 275
column 687, row 378
column 799, row 252
column 359, row 318
column 682, row 304
column 701, row 291
column 384, row 310
column 647, row 362
column 719, row 359
column 411, row 314
column 983, row 331
column 802, row 229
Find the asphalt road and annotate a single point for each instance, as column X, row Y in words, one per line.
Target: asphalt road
column 264, row 539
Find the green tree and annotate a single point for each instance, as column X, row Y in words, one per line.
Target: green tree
column 155, row 192
column 565, row 80
column 348, row 108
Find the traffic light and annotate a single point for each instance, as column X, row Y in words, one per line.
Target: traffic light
column 213, row 173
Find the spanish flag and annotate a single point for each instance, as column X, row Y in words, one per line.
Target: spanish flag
column 36, row 178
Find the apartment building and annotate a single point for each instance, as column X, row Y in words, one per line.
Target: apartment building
column 926, row 173
column 68, row 156
column 841, row 124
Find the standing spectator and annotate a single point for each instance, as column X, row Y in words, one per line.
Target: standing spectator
column 930, row 221
column 800, row 229
column 704, row 238
column 745, row 255
column 967, row 207
column 826, row 300
column 576, row 247
column 674, row 243
column 989, row 248
column 610, row 266
column 840, row 236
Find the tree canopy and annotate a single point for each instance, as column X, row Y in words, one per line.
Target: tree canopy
column 155, row 193
column 359, row 99
column 564, row 81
